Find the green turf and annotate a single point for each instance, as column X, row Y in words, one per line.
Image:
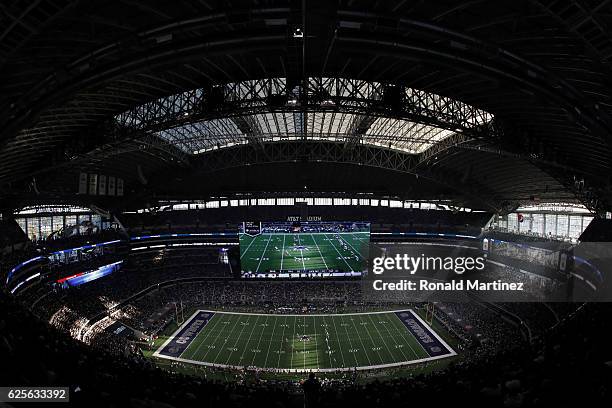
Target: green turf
column 266, row 252
column 304, row 342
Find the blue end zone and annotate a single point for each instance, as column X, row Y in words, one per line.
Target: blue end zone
column 432, row 345
column 183, row 338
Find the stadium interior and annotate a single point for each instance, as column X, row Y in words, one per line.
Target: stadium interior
column 192, row 194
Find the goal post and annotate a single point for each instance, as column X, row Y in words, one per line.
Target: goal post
column 429, row 313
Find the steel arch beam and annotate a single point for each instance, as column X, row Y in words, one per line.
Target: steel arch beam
column 325, row 94
column 336, row 152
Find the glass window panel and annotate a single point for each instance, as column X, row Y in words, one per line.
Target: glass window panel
column 22, row 224
column 537, row 225
column 562, row 225
column 585, row 222
column 58, row 222
column 575, row 226
column 551, row 224
column 71, row 220
column 512, row 222
column 46, row 226
column 34, row 228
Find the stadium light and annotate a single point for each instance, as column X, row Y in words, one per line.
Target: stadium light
column 298, row 33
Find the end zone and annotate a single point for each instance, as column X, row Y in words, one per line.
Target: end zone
column 431, row 342
column 178, row 342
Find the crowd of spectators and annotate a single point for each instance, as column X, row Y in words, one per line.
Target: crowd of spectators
column 534, row 287
column 499, row 365
column 98, row 296
column 206, row 260
column 29, row 250
column 481, row 332
column 189, row 287
column 273, row 297
column 482, row 327
column 81, row 237
column 567, row 365
column 527, row 236
column 538, row 316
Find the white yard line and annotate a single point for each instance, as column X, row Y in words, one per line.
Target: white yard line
column 332, row 244
column 225, row 341
column 291, row 343
column 282, row 342
column 262, row 255
column 282, row 253
column 214, row 341
column 347, row 243
column 348, row 336
column 302, row 314
column 303, row 334
column 318, row 249
column 269, row 342
column 401, row 331
column 389, row 351
column 361, row 341
column 247, row 248
column 318, row 370
column 338, row 341
column 371, row 338
column 391, row 336
column 231, row 351
column 302, row 252
column 195, row 353
column 246, row 346
column 314, row 324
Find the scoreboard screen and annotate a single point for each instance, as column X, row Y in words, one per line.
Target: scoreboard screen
column 295, row 249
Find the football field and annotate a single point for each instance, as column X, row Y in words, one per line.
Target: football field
column 294, row 343
column 344, row 251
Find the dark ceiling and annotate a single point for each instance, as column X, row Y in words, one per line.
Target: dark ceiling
column 542, row 68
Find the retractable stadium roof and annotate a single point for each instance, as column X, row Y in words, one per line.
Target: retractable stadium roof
column 490, row 104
